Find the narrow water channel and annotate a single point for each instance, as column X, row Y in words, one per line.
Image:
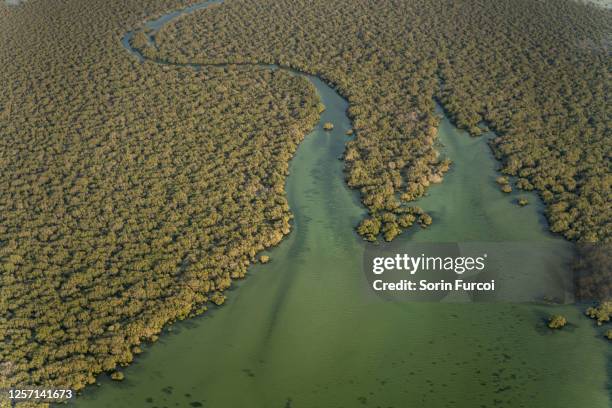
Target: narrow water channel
column 305, row 330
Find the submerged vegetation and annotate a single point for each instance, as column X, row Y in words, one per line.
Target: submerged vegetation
column 592, row 277
column 535, row 72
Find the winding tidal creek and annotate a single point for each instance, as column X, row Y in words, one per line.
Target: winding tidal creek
column 306, row 330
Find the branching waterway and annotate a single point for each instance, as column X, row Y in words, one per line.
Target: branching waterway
column 306, row 330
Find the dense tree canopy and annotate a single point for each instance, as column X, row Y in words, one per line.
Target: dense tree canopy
column 536, row 72
column 131, row 194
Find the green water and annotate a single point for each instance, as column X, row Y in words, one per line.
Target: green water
column 470, row 201
column 305, row 330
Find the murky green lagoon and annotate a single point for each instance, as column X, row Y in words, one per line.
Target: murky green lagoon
column 305, row 331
